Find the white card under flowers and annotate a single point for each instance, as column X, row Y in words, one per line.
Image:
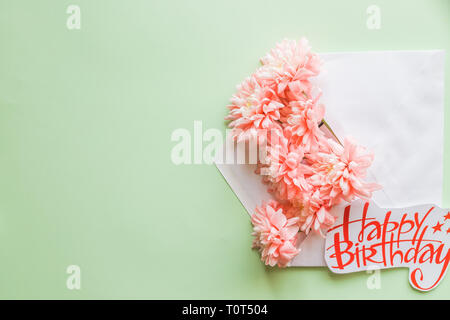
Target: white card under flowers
column 391, row 102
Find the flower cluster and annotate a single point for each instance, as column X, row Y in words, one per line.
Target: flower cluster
column 306, row 171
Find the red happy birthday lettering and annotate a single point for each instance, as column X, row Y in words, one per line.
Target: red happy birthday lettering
column 418, row 274
column 338, row 253
column 383, row 240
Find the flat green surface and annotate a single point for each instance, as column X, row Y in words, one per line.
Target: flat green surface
column 85, row 123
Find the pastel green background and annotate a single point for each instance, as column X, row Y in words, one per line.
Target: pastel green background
column 86, row 118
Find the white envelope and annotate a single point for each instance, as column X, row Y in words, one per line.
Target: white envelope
column 392, row 102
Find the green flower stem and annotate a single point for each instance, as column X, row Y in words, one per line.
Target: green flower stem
column 323, row 122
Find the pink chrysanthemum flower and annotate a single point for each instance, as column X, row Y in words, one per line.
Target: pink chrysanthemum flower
column 270, row 163
column 312, row 210
column 288, row 210
column 288, row 68
column 275, row 235
column 314, row 214
column 285, row 169
column 340, row 172
column 291, row 180
column 321, row 219
column 254, row 109
column 302, row 125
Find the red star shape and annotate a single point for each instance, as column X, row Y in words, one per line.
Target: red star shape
column 447, row 216
column 437, row 227
column 448, row 230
